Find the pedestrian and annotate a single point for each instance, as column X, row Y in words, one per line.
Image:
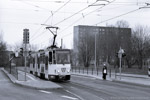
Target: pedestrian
column 104, row 72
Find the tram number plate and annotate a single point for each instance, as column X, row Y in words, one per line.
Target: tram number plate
column 63, row 69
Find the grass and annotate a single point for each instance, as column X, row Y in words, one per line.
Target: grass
column 135, row 70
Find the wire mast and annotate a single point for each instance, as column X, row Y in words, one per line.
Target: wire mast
column 54, row 33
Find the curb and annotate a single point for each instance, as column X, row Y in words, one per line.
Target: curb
column 9, row 75
column 34, row 87
column 14, row 81
column 130, row 83
column 92, row 77
column 134, row 76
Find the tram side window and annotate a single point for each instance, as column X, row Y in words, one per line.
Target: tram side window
column 33, row 62
column 50, row 57
column 54, row 59
column 38, row 62
column 41, row 58
column 46, row 62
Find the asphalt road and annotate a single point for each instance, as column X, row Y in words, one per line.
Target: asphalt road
column 10, row 91
column 78, row 88
column 93, row 89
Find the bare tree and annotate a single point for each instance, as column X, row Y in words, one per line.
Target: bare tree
column 122, row 24
column 120, row 36
column 125, row 43
column 3, row 52
column 86, row 49
column 141, row 44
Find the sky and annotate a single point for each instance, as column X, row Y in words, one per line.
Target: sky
column 36, row 15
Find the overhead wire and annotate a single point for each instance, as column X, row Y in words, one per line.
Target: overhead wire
column 104, row 20
column 32, row 39
column 76, row 13
column 51, row 16
column 83, row 17
column 37, row 6
column 57, row 11
column 71, row 15
column 20, row 23
column 117, row 16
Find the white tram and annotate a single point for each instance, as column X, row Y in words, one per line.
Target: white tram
column 51, row 64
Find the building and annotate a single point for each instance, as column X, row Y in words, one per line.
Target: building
column 107, row 41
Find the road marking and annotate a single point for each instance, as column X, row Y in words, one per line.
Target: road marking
column 45, row 91
column 68, row 97
column 31, row 77
column 74, row 95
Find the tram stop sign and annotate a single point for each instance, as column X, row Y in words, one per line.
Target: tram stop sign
column 121, row 51
column 16, row 54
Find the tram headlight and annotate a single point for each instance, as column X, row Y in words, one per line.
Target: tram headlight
column 68, row 71
column 58, row 71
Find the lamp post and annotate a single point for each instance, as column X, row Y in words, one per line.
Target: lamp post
column 95, row 50
column 121, row 51
column 95, row 32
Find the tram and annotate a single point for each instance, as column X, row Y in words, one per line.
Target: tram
column 52, row 63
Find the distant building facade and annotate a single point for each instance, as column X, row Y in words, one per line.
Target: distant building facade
column 108, row 40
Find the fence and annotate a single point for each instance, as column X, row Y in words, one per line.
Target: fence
column 14, row 70
column 91, row 71
column 11, row 69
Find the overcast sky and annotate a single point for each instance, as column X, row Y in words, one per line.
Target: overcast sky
column 16, row 15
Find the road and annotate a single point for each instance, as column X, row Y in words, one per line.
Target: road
column 10, row 91
column 93, row 89
column 78, row 88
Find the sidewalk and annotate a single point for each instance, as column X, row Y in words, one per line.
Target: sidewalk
column 32, row 81
column 143, row 80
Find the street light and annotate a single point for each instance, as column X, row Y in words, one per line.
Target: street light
column 95, row 32
column 95, row 50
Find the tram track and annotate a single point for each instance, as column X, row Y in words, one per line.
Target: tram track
column 76, row 88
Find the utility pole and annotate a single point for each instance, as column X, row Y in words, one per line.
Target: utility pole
column 25, row 42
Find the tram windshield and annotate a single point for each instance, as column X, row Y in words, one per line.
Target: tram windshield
column 63, row 57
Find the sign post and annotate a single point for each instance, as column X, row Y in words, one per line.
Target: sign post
column 25, row 42
column 121, row 51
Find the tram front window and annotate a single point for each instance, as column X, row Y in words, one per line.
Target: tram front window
column 63, row 58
